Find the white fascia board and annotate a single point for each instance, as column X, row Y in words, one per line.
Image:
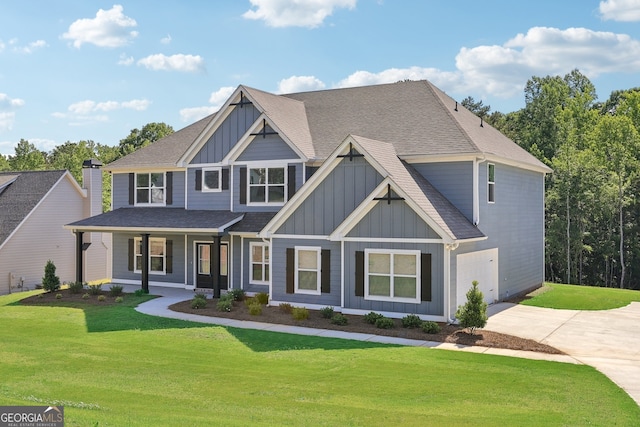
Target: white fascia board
column 99, row 229
column 75, row 184
column 147, row 169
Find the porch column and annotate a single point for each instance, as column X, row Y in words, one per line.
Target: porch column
column 79, row 257
column 145, row 263
column 215, row 266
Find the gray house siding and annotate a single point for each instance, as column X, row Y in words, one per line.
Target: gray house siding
column 212, row 200
column 120, row 190
column 270, row 147
column 244, row 264
column 334, row 199
column 454, row 180
column 435, row 307
column 279, row 267
column 395, row 220
column 227, row 135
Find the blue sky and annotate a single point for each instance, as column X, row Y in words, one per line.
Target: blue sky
column 94, row 70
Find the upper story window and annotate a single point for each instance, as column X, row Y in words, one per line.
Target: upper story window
column 211, row 179
column 491, row 183
column 150, row 188
column 392, row 275
column 267, row 185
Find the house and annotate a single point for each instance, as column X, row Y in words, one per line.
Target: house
column 34, row 207
column 389, row 198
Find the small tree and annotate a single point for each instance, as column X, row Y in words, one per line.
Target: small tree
column 50, row 282
column 473, row 314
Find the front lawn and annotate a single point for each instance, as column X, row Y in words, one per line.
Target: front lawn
column 576, row 297
column 112, row 366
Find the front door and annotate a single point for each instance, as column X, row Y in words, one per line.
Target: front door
column 204, row 276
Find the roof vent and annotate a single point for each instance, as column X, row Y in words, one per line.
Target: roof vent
column 92, row 164
column 456, row 109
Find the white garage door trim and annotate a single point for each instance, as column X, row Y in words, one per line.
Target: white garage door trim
column 481, row 266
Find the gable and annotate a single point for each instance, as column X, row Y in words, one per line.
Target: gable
column 269, row 146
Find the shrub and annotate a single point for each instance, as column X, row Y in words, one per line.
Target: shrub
column 95, row 289
column 50, row 282
column 198, row 302
column 473, row 314
column 76, row 287
column 339, row 319
column 372, row 317
column 385, row 323
column 101, row 298
column 249, row 301
column 411, row 321
column 255, row 309
column 58, row 296
column 40, row 296
column 300, row 313
column 262, row 297
column 140, row 292
column 237, row 294
column 119, row 299
column 85, row 296
column 326, row 312
column 285, row 307
column 430, row 327
column 115, row 291
column 224, row 305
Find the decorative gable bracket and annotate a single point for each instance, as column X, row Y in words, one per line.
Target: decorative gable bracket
column 389, row 197
column 243, row 101
column 264, row 131
column 352, row 153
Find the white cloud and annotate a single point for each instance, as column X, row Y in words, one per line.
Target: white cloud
column 10, row 103
column 31, row 47
column 217, row 98
column 125, row 60
column 300, row 84
column 287, row 13
column 2, row 45
column 220, row 96
column 6, row 120
column 166, row 40
column 7, row 113
column 620, row 10
column 392, row 75
column 179, row 62
column 110, row 28
column 88, row 111
column 43, row 144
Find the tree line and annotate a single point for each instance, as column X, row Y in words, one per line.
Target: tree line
column 592, row 234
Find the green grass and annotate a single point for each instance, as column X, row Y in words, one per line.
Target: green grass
column 575, row 297
column 113, row 366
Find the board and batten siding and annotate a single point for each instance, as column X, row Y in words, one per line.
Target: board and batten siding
column 270, row 147
column 207, row 200
column 279, row 271
column 227, row 134
column 394, row 220
column 334, row 199
column 454, row 180
column 120, row 190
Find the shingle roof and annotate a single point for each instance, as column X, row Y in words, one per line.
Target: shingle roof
column 21, row 196
column 252, row 222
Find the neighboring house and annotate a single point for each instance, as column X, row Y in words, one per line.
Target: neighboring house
column 389, row 198
column 34, row 207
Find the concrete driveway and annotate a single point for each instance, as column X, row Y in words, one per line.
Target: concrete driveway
column 608, row 340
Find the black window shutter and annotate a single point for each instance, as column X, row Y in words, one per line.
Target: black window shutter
column 325, row 275
column 198, row 179
column 359, row 273
column 291, row 269
column 225, row 178
column 132, row 254
column 169, row 256
column 425, row 273
column 169, row 189
column 243, row 186
column 291, row 178
column 132, row 188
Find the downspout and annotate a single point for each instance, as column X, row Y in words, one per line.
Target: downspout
column 448, row 248
column 476, row 189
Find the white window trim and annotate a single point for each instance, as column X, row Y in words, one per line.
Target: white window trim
column 392, row 253
column 137, row 242
column 264, row 263
column 205, row 189
column 164, row 189
column 318, row 271
column 491, row 183
column 266, row 184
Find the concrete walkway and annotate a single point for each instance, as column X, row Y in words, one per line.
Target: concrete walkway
column 608, row 340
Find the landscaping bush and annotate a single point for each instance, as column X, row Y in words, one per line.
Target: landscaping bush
column 473, row 314
column 262, row 297
column 285, row 307
column 430, row 327
column 237, row 294
column 115, row 291
column 58, row 296
column 326, row 312
column 140, row 292
column 119, row 299
column 339, row 319
column 385, row 323
column 300, row 313
column 199, row 301
column 255, row 309
column 101, row 298
column 76, row 287
column 249, row 301
column 50, row 282
column 411, row 321
column 95, row 289
column 85, row 296
column 227, row 297
column 372, row 317
column 224, row 304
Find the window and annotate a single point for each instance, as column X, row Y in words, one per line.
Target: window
column 392, row 275
column 259, row 263
column 150, row 188
column 204, row 260
column 307, row 273
column 157, row 255
column 267, row 185
column 491, row 183
column 211, row 179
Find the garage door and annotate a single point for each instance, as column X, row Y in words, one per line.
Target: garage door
column 481, row 266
